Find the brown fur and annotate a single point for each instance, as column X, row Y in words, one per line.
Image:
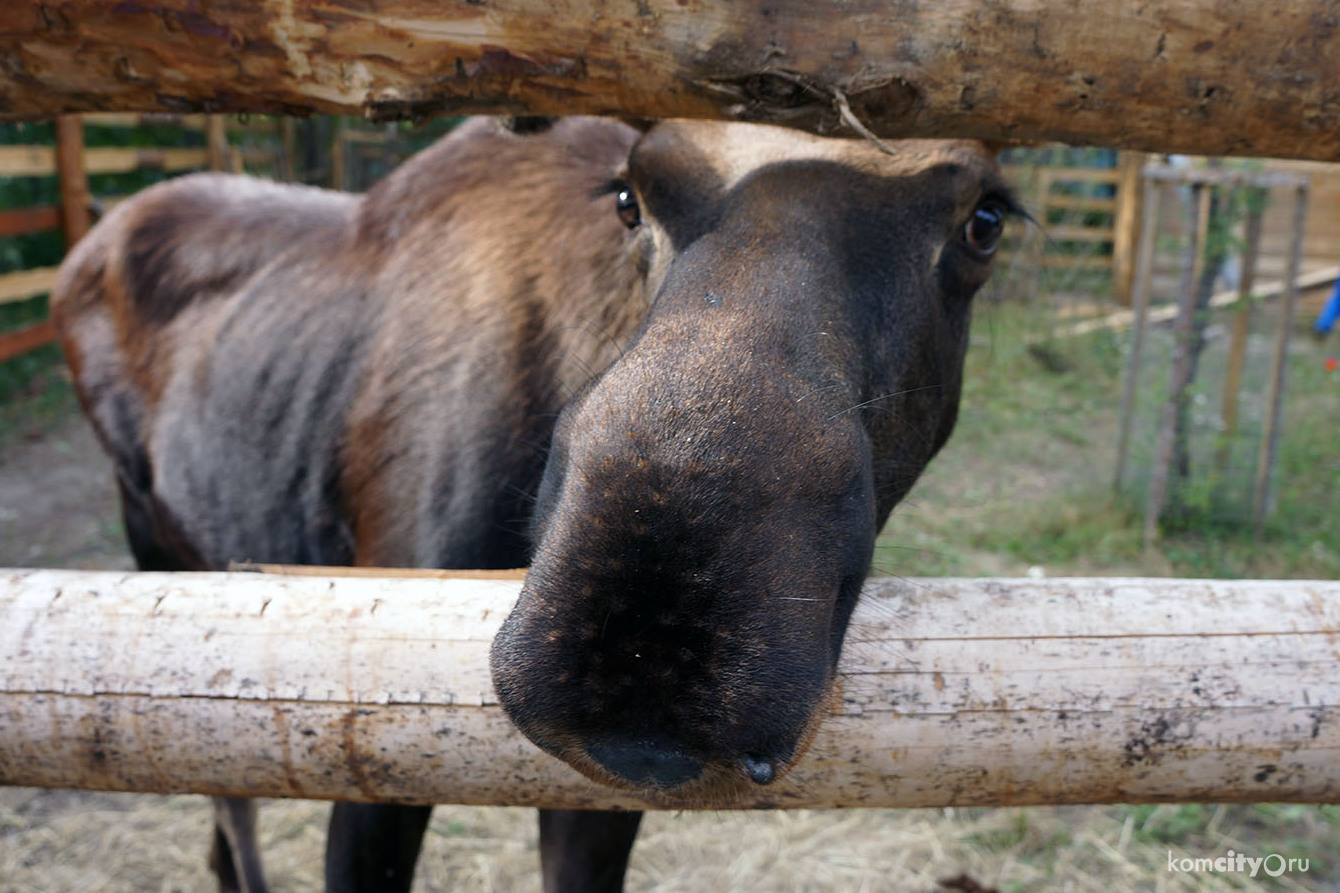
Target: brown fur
column 710, row 508
column 190, row 286
column 715, row 409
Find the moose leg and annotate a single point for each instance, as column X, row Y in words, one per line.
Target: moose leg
column 150, row 553
column 585, row 849
column 235, row 857
column 373, row 847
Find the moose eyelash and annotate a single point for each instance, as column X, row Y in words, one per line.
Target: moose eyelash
column 1009, row 201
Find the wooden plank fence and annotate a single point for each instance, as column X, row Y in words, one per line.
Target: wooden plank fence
column 232, row 144
column 72, row 163
column 1086, row 237
column 30, row 337
column 40, row 161
column 65, row 160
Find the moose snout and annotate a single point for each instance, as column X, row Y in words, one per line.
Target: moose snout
column 661, row 763
column 679, row 628
column 684, row 695
column 661, row 683
column 646, row 762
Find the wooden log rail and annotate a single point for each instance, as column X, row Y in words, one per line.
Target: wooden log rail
column 953, row 692
column 1196, row 76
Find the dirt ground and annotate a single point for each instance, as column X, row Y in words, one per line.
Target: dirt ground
column 58, row 500
column 58, row 509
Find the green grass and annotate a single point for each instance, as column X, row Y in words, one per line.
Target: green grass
column 1026, row 479
column 34, row 387
column 1290, row 830
column 38, row 392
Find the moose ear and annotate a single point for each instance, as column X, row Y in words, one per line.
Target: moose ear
column 525, row 125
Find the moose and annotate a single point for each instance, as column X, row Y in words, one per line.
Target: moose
column 683, row 372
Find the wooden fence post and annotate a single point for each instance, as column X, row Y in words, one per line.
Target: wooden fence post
column 1265, row 459
column 73, row 179
column 289, row 138
column 338, row 175
column 1148, row 229
column 1242, row 323
column 1126, row 227
column 216, row 135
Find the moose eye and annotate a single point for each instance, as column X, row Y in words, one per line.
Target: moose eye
column 984, row 228
column 625, row 205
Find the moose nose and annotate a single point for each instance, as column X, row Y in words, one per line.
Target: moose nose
column 646, row 762
column 760, row 770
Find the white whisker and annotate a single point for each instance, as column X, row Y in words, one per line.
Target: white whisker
column 890, row 396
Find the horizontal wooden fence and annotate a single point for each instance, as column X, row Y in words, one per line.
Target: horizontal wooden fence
column 1088, row 245
column 40, row 161
column 952, row 692
column 73, row 164
column 348, row 158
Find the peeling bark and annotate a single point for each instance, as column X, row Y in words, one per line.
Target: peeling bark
column 1236, row 77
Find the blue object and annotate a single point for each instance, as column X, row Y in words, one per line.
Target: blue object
column 1329, row 314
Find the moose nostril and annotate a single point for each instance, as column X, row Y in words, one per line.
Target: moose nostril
column 761, row 771
column 647, row 763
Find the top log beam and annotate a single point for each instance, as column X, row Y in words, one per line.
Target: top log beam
column 1235, row 77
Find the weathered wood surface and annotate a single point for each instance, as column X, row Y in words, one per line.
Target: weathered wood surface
column 1236, row 77
column 15, row 342
column 1121, row 319
column 964, row 692
column 74, row 194
column 40, row 161
column 24, row 284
